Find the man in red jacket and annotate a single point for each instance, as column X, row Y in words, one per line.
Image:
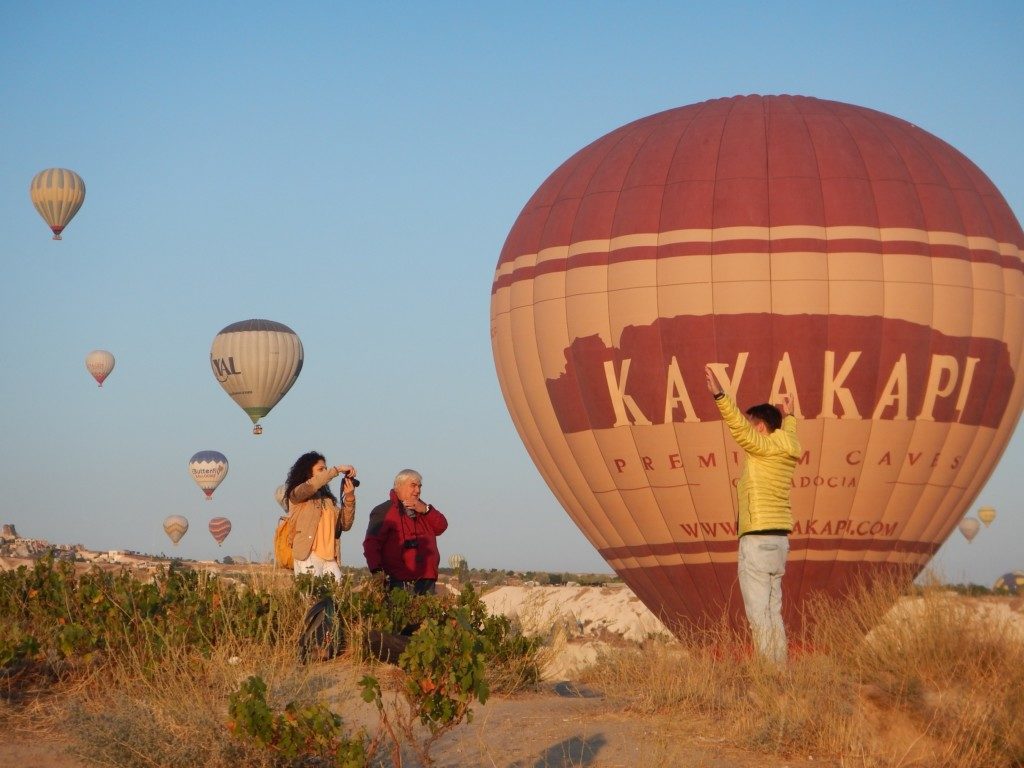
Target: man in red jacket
column 401, row 537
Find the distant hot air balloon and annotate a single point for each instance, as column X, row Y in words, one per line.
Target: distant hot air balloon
column 1012, row 582
column 256, row 362
column 279, row 497
column 456, row 562
column 220, row 527
column 99, row 363
column 987, row 515
column 175, row 527
column 799, row 246
column 969, row 527
column 57, row 194
column 208, row 469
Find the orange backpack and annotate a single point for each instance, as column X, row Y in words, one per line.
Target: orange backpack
column 283, row 538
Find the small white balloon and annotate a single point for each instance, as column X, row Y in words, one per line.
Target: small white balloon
column 99, row 363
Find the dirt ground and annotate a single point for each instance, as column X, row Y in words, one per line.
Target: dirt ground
column 557, row 726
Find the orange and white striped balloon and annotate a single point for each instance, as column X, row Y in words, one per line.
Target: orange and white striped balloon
column 799, row 246
column 57, row 194
column 175, row 526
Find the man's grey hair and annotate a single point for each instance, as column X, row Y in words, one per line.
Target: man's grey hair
column 406, row 475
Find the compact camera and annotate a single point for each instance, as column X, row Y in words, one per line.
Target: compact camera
column 355, row 480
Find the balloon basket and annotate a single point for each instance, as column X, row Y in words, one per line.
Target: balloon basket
column 257, row 430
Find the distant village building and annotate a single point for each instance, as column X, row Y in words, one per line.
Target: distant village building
column 125, row 557
column 14, row 546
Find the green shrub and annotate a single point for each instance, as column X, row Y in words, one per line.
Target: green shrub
column 150, row 639
column 300, row 731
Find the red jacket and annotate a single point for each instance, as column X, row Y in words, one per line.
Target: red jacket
column 405, row 547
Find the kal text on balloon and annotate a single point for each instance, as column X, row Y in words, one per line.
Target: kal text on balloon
column 222, row 368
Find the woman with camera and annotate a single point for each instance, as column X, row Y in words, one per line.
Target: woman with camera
column 319, row 522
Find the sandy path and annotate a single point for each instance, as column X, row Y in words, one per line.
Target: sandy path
column 536, row 730
column 24, row 751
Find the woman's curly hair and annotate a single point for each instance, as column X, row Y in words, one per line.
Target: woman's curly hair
column 301, row 471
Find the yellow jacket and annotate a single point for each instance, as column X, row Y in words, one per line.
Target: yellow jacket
column 767, row 472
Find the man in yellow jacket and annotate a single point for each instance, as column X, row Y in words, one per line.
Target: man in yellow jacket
column 767, row 436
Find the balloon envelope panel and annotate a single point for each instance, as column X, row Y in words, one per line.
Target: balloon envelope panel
column 799, row 246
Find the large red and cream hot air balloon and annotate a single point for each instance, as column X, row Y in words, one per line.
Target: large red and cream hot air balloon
column 800, row 246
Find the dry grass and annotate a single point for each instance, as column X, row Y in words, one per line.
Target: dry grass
column 885, row 680
column 167, row 705
column 131, row 713
column 128, row 710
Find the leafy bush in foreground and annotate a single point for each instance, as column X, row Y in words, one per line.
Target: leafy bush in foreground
column 166, row 646
column 49, row 612
column 298, row 732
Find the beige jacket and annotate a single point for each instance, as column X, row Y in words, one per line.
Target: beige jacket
column 306, row 507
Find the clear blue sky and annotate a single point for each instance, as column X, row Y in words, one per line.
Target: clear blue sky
column 351, row 170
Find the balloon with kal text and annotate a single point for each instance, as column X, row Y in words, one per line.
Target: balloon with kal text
column 256, row 362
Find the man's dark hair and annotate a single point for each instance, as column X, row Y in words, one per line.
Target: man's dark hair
column 769, row 414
